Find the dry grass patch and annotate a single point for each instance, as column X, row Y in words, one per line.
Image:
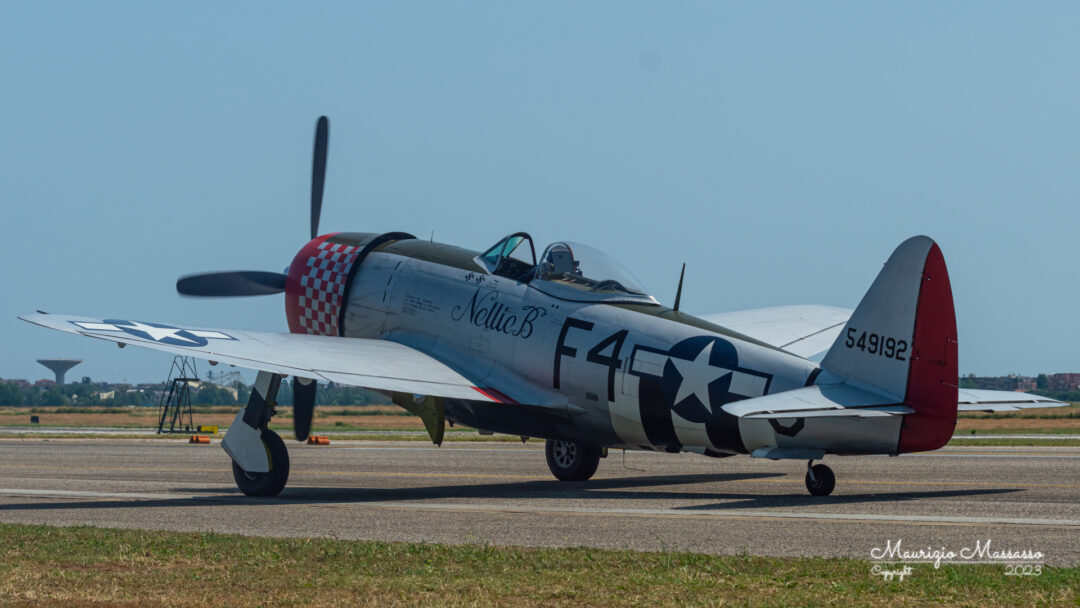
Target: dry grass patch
column 330, row 417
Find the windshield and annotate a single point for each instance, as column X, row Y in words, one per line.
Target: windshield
column 579, row 272
column 507, row 258
column 505, row 248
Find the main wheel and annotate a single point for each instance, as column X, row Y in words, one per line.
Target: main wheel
column 266, row 484
column 570, row 461
column 820, row 480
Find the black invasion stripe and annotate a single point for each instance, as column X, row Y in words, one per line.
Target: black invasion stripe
column 655, row 416
column 724, row 433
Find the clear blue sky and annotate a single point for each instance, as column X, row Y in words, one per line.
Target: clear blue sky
column 781, row 149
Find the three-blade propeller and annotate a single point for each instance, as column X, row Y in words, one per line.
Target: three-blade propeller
column 260, row 283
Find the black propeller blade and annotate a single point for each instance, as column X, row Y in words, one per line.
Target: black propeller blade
column 303, row 406
column 253, row 282
column 318, row 172
column 235, row 283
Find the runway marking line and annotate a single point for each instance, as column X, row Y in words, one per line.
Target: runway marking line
column 346, row 473
column 786, row 480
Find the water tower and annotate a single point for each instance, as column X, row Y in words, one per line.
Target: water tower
column 59, row 366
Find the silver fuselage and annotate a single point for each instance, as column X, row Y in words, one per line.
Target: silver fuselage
column 621, row 369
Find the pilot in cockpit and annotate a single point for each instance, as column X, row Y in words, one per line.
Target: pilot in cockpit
column 560, row 263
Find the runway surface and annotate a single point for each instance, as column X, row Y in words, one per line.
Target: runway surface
column 501, row 493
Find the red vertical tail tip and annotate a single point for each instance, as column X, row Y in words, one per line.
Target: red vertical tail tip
column 933, row 375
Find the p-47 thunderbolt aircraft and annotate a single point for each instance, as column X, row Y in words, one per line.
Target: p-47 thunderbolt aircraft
column 567, row 346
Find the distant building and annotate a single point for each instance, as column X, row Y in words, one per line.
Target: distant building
column 1012, row 382
column 1063, row 382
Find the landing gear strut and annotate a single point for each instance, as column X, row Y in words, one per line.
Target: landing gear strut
column 571, row 461
column 260, row 461
column 819, row 479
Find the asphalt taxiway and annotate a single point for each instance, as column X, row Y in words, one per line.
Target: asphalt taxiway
column 1019, row 498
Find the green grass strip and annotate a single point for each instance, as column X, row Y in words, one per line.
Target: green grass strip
column 81, row 566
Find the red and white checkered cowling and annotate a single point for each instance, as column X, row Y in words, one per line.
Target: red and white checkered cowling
column 315, row 287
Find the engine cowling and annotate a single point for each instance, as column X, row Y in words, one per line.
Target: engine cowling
column 319, row 277
column 316, row 283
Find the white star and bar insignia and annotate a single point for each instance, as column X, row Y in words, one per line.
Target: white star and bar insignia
column 156, row 332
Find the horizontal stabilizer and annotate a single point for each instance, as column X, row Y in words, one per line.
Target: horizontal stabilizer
column 818, row 401
column 883, row 411
column 977, row 400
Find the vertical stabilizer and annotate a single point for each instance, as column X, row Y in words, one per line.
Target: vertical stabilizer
column 901, row 341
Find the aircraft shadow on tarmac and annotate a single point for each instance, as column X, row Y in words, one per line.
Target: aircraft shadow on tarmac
column 598, row 489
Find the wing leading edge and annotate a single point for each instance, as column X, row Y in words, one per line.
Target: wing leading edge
column 374, row 364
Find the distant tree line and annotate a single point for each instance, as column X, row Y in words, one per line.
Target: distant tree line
column 1042, row 384
column 1073, row 396
column 327, row 395
column 60, row 395
column 12, row 394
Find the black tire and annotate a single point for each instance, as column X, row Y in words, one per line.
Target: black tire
column 570, row 461
column 823, row 482
column 266, row 484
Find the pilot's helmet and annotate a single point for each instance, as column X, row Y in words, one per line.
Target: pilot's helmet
column 560, row 261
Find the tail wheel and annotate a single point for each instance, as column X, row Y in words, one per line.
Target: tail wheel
column 820, row 480
column 571, row 461
column 272, row 482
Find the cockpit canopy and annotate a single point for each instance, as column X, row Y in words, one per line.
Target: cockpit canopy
column 566, row 270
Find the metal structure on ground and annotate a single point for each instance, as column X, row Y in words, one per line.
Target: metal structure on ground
column 174, row 409
column 230, row 380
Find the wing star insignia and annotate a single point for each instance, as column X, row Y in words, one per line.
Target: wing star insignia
column 155, row 332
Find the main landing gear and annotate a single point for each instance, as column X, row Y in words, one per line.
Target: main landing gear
column 260, row 461
column 571, row 461
column 819, row 479
column 272, row 482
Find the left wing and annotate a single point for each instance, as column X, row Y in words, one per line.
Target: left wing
column 803, row 330
column 374, row 364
